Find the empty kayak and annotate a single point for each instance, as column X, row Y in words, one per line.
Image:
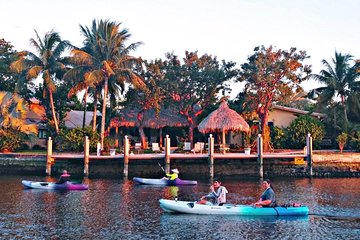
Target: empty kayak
column 173, row 206
column 151, row 181
column 54, row 186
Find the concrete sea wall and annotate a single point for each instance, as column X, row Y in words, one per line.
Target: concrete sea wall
column 324, row 165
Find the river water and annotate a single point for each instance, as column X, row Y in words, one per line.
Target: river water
column 120, row 209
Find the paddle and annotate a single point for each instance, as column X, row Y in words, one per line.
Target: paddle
column 161, row 167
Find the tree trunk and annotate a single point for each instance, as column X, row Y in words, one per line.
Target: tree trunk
column 265, row 131
column 191, row 134
column 103, row 113
column 95, row 111
column 53, row 111
column 85, row 102
column 345, row 113
column 142, row 137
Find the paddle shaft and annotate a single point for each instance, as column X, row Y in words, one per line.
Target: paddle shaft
column 161, row 167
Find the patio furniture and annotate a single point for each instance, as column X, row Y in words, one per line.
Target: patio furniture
column 155, row 147
column 137, row 148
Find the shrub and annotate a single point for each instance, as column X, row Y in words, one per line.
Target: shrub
column 300, row 127
column 355, row 140
column 279, row 137
column 11, row 139
column 342, row 139
column 73, row 140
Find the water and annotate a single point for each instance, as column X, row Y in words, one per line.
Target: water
column 117, row 209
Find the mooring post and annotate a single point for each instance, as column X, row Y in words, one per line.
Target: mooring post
column 309, row 152
column 260, row 155
column 49, row 159
column 86, row 156
column 211, row 155
column 167, row 153
column 126, row 156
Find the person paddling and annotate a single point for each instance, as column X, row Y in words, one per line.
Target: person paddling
column 171, row 177
column 65, row 177
column 217, row 195
column 267, row 198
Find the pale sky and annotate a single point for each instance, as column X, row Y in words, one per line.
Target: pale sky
column 228, row 29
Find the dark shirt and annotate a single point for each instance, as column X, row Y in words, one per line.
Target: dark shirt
column 64, row 178
column 269, row 194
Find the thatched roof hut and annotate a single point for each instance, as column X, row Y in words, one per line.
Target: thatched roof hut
column 223, row 120
column 165, row 118
column 149, row 119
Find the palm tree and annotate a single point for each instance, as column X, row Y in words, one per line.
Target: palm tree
column 105, row 57
column 48, row 64
column 340, row 77
column 13, row 113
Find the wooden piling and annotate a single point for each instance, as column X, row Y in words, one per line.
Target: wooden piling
column 309, row 153
column 126, row 157
column 211, row 155
column 260, row 155
column 86, row 156
column 167, row 153
column 49, row 159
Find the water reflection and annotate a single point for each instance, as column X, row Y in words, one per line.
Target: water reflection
column 118, row 209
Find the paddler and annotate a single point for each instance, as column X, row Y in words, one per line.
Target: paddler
column 64, row 177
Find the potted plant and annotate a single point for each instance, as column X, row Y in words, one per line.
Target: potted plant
column 247, row 144
column 341, row 139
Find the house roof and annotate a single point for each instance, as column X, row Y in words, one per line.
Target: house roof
column 74, row 118
column 298, row 111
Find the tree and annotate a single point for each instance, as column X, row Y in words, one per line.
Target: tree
column 149, row 98
column 340, row 79
column 106, row 59
column 194, row 84
column 6, row 57
column 267, row 72
column 13, row 113
column 48, row 64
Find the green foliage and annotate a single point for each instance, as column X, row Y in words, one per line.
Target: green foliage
column 300, row 127
column 11, row 139
column 73, row 140
column 355, row 140
column 279, row 137
column 342, row 139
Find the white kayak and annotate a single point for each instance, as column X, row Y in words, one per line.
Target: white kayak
column 54, row 186
column 173, row 206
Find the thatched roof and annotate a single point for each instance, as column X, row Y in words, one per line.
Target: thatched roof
column 166, row 117
column 223, row 119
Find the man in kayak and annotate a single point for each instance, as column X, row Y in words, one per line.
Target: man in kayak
column 267, row 199
column 64, row 177
column 217, row 195
column 171, row 177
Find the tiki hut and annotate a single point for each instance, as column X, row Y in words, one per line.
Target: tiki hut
column 149, row 119
column 223, row 120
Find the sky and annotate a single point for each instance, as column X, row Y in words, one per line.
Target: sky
column 227, row 29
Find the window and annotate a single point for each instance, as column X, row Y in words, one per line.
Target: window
column 42, row 134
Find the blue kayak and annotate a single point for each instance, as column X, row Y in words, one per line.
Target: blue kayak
column 173, row 206
column 164, row 182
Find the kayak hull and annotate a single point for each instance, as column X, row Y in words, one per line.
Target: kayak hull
column 173, row 206
column 54, row 186
column 164, row 182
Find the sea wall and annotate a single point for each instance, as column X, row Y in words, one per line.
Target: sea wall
column 324, row 165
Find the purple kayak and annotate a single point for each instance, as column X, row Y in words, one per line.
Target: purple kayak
column 164, row 182
column 54, row 186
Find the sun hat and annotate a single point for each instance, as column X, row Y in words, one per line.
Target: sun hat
column 175, row 170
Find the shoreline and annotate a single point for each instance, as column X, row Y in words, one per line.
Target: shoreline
column 325, row 164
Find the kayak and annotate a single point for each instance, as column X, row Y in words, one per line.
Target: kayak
column 173, row 206
column 151, row 181
column 54, row 186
